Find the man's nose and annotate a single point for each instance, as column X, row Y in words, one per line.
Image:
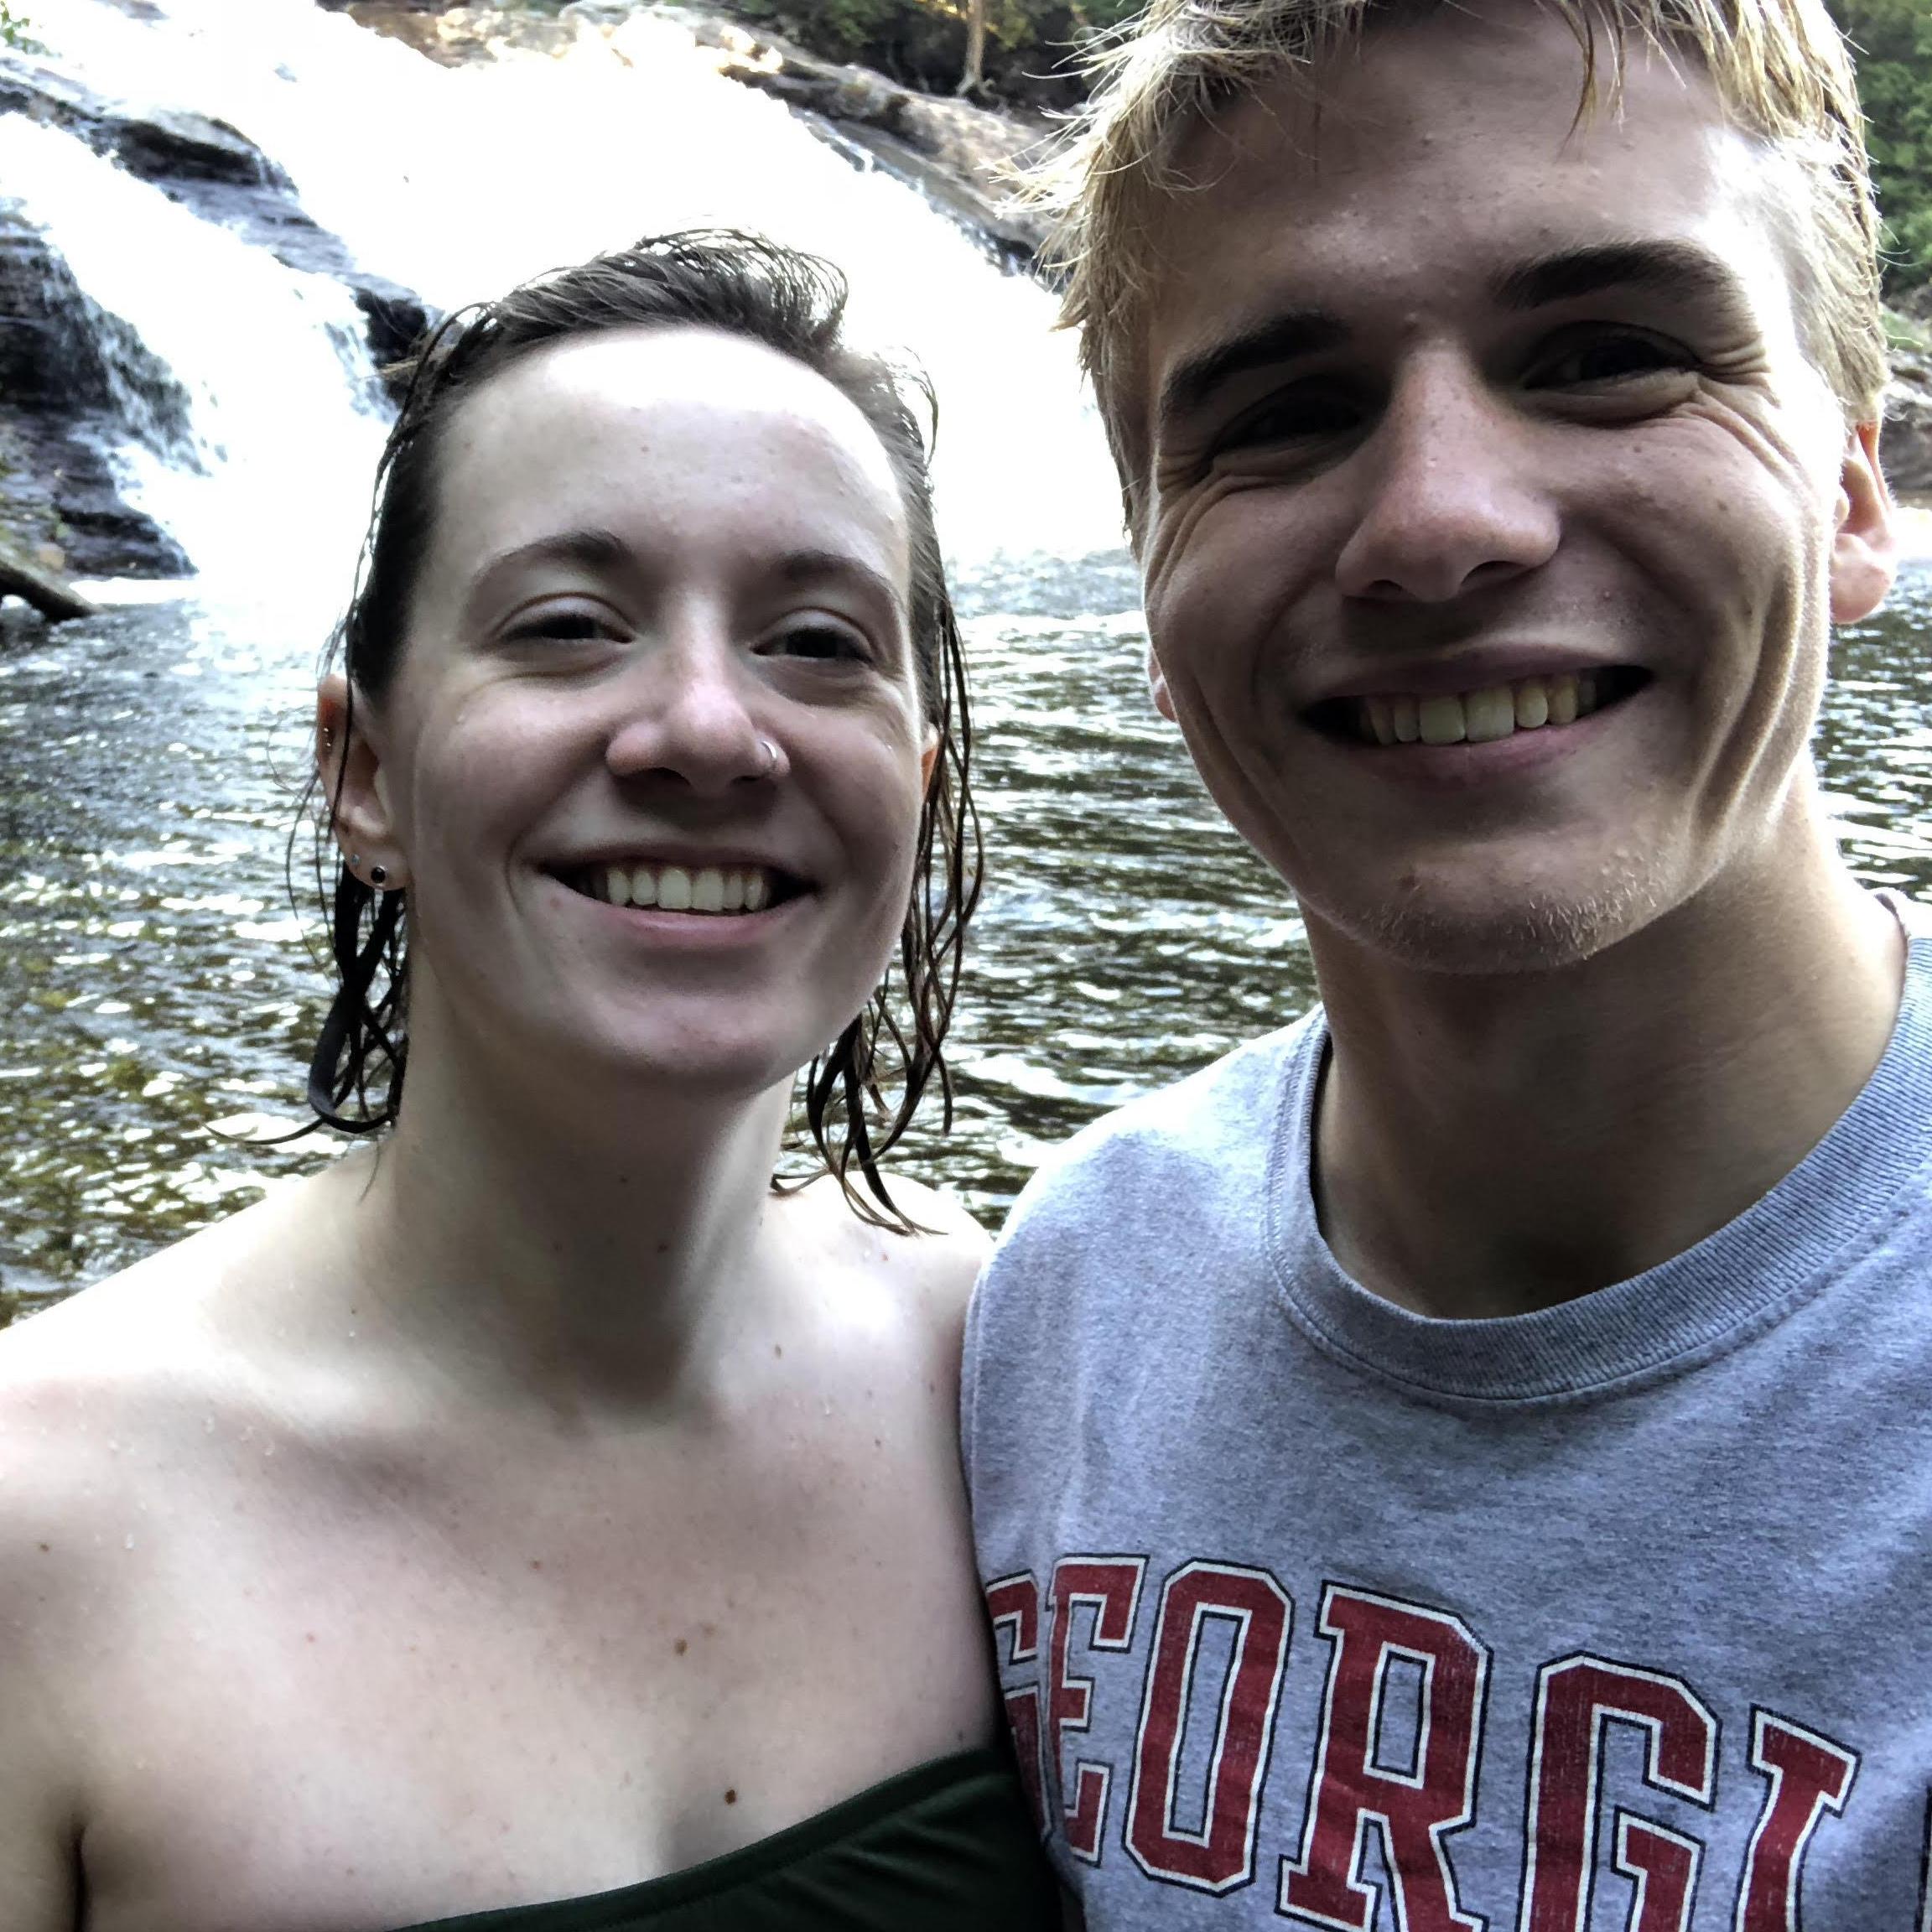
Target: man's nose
column 1451, row 501
column 690, row 709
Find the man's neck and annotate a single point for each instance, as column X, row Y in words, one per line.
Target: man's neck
column 1489, row 1146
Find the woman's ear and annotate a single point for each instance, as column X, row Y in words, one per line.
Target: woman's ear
column 1865, row 550
column 928, row 757
column 350, row 766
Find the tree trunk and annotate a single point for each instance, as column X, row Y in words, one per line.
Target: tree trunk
column 973, row 78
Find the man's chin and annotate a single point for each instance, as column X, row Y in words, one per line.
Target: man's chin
column 1484, row 929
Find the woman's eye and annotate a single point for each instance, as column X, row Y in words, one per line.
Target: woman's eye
column 1621, row 357
column 566, row 624
column 822, row 642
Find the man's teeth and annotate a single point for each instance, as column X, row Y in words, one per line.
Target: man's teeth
column 1481, row 717
column 677, row 889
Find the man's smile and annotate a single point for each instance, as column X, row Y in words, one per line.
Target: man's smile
column 1481, row 716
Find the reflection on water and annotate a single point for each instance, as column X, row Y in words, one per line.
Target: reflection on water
column 152, row 980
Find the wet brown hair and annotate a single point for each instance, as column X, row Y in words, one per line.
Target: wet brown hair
column 743, row 285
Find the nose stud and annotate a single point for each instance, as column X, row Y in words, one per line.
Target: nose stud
column 770, row 751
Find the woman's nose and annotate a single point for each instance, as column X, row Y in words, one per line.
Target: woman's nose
column 690, row 711
column 1451, row 501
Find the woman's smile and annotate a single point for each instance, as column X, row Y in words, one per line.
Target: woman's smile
column 662, row 653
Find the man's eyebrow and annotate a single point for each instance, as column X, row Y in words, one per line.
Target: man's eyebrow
column 1662, row 267
column 1280, row 338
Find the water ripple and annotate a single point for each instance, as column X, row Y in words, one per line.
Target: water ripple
column 155, row 986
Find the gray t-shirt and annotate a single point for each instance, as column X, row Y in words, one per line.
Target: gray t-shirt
column 1615, row 1615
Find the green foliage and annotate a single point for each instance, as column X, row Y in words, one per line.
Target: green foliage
column 14, row 31
column 1893, row 41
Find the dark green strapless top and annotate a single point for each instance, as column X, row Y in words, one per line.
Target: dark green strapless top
column 950, row 1846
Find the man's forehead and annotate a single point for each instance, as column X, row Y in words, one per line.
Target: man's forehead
column 1435, row 156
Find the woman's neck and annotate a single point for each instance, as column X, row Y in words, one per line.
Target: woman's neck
column 587, row 1248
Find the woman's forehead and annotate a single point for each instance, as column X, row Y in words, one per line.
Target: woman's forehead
column 672, row 429
column 621, row 375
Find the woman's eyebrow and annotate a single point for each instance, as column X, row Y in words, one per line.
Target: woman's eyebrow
column 797, row 567
column 598, row 549
column 1661, row 266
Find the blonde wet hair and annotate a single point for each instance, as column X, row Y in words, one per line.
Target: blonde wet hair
column 1781, row 67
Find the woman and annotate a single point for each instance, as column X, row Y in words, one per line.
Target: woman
column 540, row 1503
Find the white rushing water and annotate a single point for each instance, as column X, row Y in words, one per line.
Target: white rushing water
column 284, row 424
column 458, row 183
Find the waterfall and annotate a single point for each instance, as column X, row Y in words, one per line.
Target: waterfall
column 458, row 182
column 268, row 423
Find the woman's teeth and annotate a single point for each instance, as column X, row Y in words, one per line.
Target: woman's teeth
column 1480, row 717
column 678, row 889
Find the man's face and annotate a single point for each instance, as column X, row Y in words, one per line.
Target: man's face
column 1463, row 422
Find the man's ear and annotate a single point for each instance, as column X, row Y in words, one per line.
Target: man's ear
column 1865, row 550
column 353, row 785
column 1157, row 682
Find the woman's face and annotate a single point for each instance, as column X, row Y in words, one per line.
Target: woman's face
column 652, row 763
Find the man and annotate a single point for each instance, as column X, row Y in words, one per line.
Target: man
column 1467, row 1460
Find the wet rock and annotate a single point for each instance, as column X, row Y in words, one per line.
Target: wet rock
column 1905, row 448
column 218, row 172
column 960, row 157
column 163, row 145
column 49, row 592
column 77, row 381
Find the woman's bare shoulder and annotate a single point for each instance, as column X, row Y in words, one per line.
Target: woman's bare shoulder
column 160, row 1318
column 121, row 1378
column 934, row 1267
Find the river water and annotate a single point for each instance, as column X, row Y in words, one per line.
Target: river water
column 154, row 979
column 158, row 990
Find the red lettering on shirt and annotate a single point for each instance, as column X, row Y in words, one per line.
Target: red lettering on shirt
column 1576, row 1699
column 1221, row 1855
column 1111, row 1587
column 1810, row 1775
column 1663, row 1865
column 1413, row 1808
column 1013, row 1604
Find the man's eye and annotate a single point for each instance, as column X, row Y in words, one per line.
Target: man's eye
column 1307, row 413
column 1621, row 357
